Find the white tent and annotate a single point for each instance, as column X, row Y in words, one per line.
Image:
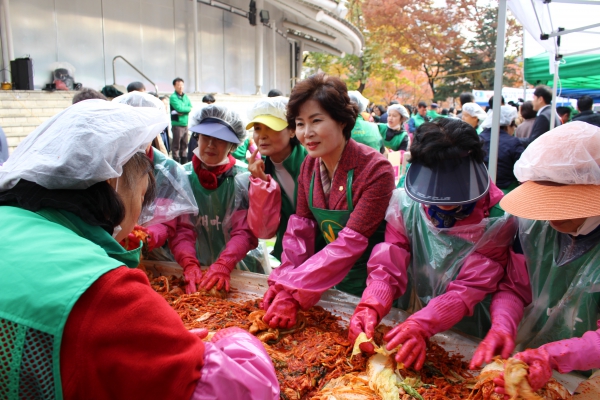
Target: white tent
column 561, row 27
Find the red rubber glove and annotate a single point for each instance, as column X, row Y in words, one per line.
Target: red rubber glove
column 412, row 336
column 192, row 275
column 218, row 274
column 364, row 319
column 268, row 298
column 497, row 341
column 540, row 366
column 282, row 312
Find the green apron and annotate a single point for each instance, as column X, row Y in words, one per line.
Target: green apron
column 240, row 152
column 331, row 222
column 49, row 259
column 213, row 223
column 437, row 256
column 566, row 297
column 396, row 141
column 510, row 188
column 367, row 133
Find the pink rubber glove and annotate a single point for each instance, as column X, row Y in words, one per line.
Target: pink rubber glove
column 159, row 234
column 192, row 275
column 264, row 212
column 218, row 274
column 268, row 298
column 236, row 366
column 325, row 269
column 375, row 303
column 540, row 366
column 507, row 311
column 240, row 242
column 282, row 312
column 413, row 338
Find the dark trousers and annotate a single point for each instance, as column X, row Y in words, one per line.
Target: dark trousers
column 192, row 146
column 180, row 139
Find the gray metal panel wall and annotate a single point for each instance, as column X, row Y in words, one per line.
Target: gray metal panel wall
column 283, row 65
column 157, row 43
column 211, row 49
column 239, row 38
column 34, row 35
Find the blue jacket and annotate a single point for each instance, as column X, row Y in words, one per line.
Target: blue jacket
column 510, row 149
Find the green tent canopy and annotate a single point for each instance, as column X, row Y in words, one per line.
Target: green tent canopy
column 575, row 72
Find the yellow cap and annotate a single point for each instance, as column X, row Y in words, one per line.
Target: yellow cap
column 272, row 122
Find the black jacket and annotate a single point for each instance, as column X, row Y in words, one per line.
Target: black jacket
column 541, row 125
column 509, row 151
column 588, row 116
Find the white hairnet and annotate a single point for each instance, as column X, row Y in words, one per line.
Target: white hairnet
column 139, row 99
column 361, row 101
column 474, row 110
column 568, row 154
column 224, row 114
column 87, row 143
column 275, row 106
column 400, row 109
column 507, row 115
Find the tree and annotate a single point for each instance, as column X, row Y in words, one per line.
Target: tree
column 420, row 35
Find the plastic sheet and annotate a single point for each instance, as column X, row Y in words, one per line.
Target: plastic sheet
column 174, row 196
column 248, row 285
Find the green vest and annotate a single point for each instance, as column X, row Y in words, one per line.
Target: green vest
column 240, row 152
column 437, row 256
column 395, row 142
column 49, row 259
column 292, row 164
column 367, row 133
column 214, row 220
column 566, row 295
column 433, row 114
column 331, row 222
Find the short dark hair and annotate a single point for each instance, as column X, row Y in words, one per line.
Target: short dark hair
column 527, row 110
column 381, row 109
column 491, row 101
column 544, row 92
column 98, row 205
column 585, row 103
column 393, row 102
column 563, row 110
column 275, row 93
column 466, row 97
column 409, row 108
column 451, row 110
column 209, row 98
column 332, row 95
column 444, row 111
column 444, row 139
column 422, row 104
column 87, row 94
column 135, row 86
column 177, row 80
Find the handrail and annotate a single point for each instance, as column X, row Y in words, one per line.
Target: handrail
column 132, row 66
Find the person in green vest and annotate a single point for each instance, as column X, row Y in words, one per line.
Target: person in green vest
column 343, row 190
column 393, row 133
column 174, row 195
column 274, row 181
column 365, row 132
column 473, row 114
column 222, row 237
column 180, row 109
column 447, row 252
column 432, row 112
column 419, row 118
column 77, row 307
column 558, row 205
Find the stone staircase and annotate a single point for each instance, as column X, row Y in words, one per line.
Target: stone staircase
column 21, row 111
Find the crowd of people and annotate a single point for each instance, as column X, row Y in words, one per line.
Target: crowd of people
column 512, row 262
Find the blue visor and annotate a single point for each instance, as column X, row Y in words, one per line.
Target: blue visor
column 450, row 183
column 216, row 128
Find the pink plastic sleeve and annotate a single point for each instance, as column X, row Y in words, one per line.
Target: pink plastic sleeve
column 264, row 211
column 576, row 354
column 241, row 240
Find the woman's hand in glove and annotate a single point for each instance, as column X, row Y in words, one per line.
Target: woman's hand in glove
column 192, row 275
column 218, row 274
column 282, row 312
column 412, row 337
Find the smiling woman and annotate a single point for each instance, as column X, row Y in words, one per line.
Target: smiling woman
column 343, row 190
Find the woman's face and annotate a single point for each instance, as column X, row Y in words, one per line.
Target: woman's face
column 473, row 121
column 567, row 225
column 394, row 118
column 212, row 150
column 320, row 134
column 272, row 143
column 377, row 111
column 133, row 200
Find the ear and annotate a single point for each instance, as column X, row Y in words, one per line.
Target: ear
column 112, row 182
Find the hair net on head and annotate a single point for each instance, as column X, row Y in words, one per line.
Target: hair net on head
column 224, row 114
column 274, row 106
column 474, row 110
column 361, row 101
column 507, row 115
column 87, row 143
column 400, row 109
column 568, row 154
column 139, row 99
